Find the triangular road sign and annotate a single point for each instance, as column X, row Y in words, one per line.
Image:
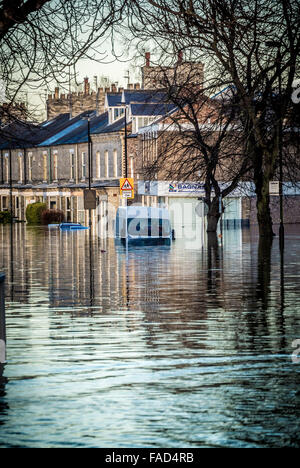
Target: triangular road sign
column 127, row 185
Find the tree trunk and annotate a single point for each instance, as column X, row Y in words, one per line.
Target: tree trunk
column 213, row 216
column 264, row 217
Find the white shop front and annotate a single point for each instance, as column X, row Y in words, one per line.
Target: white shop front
column 185, row 203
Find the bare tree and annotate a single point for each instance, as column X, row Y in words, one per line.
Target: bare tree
column 201, row 139
column 255, row 45
column 42, row 40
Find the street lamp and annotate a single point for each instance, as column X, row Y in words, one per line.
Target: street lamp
column 123, row 102
column 280, row 140
column 88, row 118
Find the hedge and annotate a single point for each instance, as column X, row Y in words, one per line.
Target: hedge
column 5, row 217
column 34, row 213
column 52, row 217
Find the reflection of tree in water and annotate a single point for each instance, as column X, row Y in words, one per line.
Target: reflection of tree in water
column 264, row 272
column 175, row 290
column 3, row 381
column 214, row 266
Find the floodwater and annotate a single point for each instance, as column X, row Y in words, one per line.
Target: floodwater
column 160, row 347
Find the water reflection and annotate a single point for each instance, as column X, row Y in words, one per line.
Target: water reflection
column 155, row 347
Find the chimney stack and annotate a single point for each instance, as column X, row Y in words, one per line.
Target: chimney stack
column 56, row 93
column 137, row 86
column 180, row 57
column 147, row 55
column 86, row 86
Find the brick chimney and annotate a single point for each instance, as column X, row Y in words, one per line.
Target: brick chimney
column 56, row 93
column 86, row 86
column 147, row 56
column 180, row 57
column 137, row 86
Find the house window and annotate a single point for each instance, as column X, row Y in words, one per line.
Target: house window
column 20, row 165
column 55, row 166
column 131, row 167
column 106, row 164
column 98, row 165
column 30, row 166
column 115, row 163
column 134, row 127
column 83, row 164
column 45, row 167
column 72, row 165
column 6, row 168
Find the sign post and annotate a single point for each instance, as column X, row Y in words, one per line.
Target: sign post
column 127, row 188
column 274, row 188
column 90, row 202
column 90, row 199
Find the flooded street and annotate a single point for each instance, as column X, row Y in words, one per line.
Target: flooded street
column 162, row 347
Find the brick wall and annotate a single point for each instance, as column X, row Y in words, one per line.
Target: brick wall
column 291, row 210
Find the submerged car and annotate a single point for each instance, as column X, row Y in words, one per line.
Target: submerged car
column 72, row 226
column 143, row 225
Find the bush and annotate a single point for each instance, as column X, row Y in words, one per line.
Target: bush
column 5, row 217
column 52, row 217
column 34, row 213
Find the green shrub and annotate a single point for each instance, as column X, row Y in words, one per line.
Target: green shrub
column 52, row 217
column 34, row 213
column 5, row 217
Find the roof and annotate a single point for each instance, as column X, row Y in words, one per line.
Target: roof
column 20, row 134
column 114, row 99
column 151, row 109
column 62, row 130
column 117, row 126
column 145, row 96
column 77, row 132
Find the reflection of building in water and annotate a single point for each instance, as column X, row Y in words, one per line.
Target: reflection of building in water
column 186, row 294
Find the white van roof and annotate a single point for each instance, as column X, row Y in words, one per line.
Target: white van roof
column 143, row 212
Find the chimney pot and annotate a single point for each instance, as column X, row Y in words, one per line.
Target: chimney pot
column 180, row 57
column 147, row 56
column 86, row 86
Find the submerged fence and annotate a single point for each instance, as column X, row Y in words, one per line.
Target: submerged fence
column 2, row 320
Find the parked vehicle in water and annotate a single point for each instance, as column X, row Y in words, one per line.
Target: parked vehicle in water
column 68, row 226
column 72, row 226
column 143, row 225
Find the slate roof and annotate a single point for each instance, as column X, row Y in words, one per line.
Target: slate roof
column 151, row 109
column 145, row 96
column 26, row 135
column 114, row 99
column 62, row 130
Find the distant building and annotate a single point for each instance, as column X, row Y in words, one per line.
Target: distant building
column 158, row 76
column 49, row 162
column 76, row 103
column 12, row 112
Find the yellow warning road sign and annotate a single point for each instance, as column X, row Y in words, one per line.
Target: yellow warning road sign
column 127, row 188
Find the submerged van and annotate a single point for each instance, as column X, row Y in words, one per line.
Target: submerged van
column 143, row 225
